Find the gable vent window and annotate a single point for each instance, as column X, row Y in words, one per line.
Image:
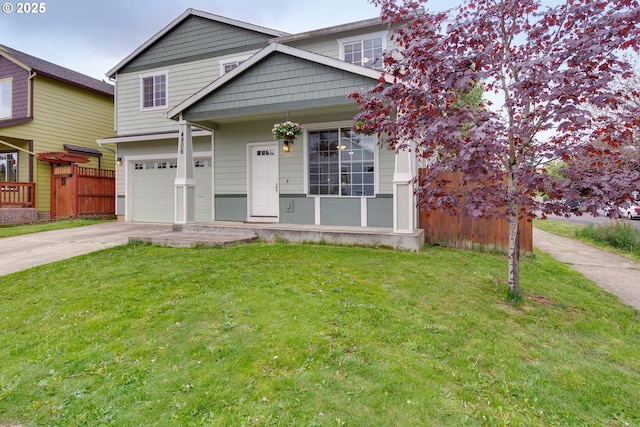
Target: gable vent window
column 229, row 64
column 154, row 91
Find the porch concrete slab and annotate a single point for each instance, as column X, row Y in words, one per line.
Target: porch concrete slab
column 22, row 252
column 299, row 233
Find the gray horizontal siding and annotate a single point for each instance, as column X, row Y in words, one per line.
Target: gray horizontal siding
column 197, row 38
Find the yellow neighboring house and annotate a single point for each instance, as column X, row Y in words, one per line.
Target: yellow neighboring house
column 46, row 108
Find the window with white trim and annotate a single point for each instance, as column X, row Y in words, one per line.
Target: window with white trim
column 153, row 91
column 341, row 163
column 365, row 50
column 6, row 94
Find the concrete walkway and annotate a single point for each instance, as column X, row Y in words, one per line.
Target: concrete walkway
column 614, row 273
column 29, row 250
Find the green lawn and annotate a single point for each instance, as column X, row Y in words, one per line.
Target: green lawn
column 18, row 229
column 312, row 335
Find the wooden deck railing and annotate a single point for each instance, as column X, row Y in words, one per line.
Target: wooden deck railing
column 17, row 194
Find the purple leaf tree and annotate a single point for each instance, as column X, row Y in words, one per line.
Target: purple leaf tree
column 542, row 70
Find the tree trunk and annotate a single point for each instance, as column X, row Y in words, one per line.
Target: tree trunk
column 514, row 254
column 514, row 239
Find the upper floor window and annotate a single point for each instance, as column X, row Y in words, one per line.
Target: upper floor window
column 5, row 98
column 153, row 90
column 365, row 50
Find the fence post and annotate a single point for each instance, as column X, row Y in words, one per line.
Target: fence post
column 74, row 190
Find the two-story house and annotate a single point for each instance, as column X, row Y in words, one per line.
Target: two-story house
column 195, row 108
column 46, row 108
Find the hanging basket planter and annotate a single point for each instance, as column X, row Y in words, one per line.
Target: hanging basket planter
column 287, row 131
column 362, row 126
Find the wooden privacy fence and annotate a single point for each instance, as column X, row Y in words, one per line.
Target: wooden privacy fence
column 82, row 192
column 17, row 194
column 463, row 231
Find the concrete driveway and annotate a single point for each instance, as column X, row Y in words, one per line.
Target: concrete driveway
column 21, row 252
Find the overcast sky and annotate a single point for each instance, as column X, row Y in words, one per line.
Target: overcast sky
column 92, row 36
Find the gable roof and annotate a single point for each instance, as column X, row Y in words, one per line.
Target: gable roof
column 259, row 56
column 186, row 14
column 57, row 72
column 330, row 30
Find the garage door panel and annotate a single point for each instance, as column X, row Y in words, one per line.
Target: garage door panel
column 202, row 174
column 153, row 195
column 153, row 190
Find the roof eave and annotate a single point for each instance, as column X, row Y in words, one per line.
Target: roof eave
column 328, row 30
column 72, row 83
column 20, row 64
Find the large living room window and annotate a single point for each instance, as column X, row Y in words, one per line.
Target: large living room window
column 341, row 163
column 365, row 50
column 5, row 98
column 154, row 91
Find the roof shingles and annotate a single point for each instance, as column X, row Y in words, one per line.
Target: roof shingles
column 57, row 72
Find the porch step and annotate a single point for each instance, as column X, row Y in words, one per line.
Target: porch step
column 178, row 239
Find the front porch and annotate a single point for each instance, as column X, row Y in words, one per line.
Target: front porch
column 226, row 233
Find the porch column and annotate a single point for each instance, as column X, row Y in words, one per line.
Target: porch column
column 404, row 205
column 185, row 184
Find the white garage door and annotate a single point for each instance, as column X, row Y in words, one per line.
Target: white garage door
column 153, row 190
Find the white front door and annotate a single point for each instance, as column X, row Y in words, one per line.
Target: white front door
column 263, row 182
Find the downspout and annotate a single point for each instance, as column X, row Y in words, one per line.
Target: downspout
column 30, row 94
column 115, row 104
column 213, row 175
column 31, row 162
